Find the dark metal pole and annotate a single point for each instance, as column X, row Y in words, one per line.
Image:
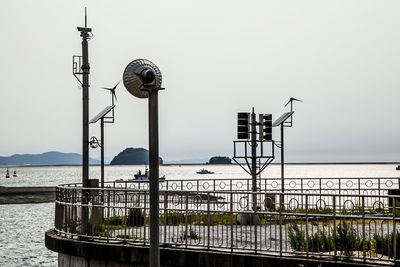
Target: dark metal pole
column 154, row 179
column 102, row 150
column 85, row 125
column 254, row 157
column 282, row 168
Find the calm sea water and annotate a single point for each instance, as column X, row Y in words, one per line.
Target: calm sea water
column 22, row 226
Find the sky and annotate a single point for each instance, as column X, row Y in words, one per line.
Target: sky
column 217, row 58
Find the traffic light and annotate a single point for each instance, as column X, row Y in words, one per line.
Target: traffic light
column 265, row 127
column 243, row 125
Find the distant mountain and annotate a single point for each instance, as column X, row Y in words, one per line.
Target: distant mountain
column 133, row 156
column 220, row 160
column 47, row 158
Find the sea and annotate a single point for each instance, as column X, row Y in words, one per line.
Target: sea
column 22, row 226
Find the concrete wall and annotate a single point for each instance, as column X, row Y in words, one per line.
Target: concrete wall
column 80, row 253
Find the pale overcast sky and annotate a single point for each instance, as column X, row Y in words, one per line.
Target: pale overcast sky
column 217, row 58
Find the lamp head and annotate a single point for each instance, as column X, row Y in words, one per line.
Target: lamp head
column 94, row 143
column 140, row 76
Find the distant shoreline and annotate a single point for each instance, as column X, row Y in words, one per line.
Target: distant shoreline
column 206, row 164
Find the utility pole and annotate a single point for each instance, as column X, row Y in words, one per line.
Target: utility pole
column 83, row 63
column 253, row 157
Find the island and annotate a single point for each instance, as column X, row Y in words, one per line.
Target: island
column 220, row 160
column 133, row 156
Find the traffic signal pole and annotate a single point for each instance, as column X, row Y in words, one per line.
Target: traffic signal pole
column 254, row 158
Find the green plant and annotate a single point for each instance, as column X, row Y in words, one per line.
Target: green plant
column 135, row 217
column 346, row 239
column 115, row 220
column 192, row 235
column 296, row 237
column 384, row 244
column 320, row 241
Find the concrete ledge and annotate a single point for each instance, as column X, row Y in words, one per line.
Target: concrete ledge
column 103, row 254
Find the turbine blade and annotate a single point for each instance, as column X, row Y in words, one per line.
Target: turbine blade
column 116, row 85
column 295, row 99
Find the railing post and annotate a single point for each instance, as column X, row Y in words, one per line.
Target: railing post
column 108, row 213
column 340, row 193
column 394, row 228
column 126, row 213
column 320, row 185
column 231, row 210
column 359, row 190
column 280, row 226
column 334, row 223
column 165, row 216
column 144, row 214
column 186, row 219
column 255, row 224
column 307, row 225
column 208, row 220
column 301, row 190
column 363, row 227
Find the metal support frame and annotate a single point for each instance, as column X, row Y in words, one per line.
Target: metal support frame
column 252, row 168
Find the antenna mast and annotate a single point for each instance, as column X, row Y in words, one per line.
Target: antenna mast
column 81, row 70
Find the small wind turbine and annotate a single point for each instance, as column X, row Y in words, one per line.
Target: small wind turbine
column 289, row 123
column 291, row 102
column 112, row 91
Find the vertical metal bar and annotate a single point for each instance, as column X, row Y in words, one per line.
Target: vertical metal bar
column 280, row 228
column 154, row 179
column 144, row 211
column 320, row 185
column 208, row 220
column 359, row 190
column 255, row 222
column 231, row 211
column 340, row 193
column 282, row 170
column 126, row 213
column 102, row 151
column 363, row 227
column 307, row 238
column 394, row 199
column 165, row 216
column 253, row 159
column 186, row 233
column 334, row 222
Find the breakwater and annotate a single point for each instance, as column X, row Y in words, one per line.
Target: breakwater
column 27, row 195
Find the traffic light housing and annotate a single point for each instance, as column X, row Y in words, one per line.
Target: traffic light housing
column 265, row 127
column 243, row 125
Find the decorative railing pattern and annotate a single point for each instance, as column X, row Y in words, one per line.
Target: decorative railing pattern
column 365, row 186
column 313, row 224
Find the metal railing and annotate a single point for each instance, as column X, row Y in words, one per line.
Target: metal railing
column 369, row 185
column 330, row 226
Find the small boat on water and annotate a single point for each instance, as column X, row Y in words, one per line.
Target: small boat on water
column 7, row 174
column 139, row 176
column 204, row 171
